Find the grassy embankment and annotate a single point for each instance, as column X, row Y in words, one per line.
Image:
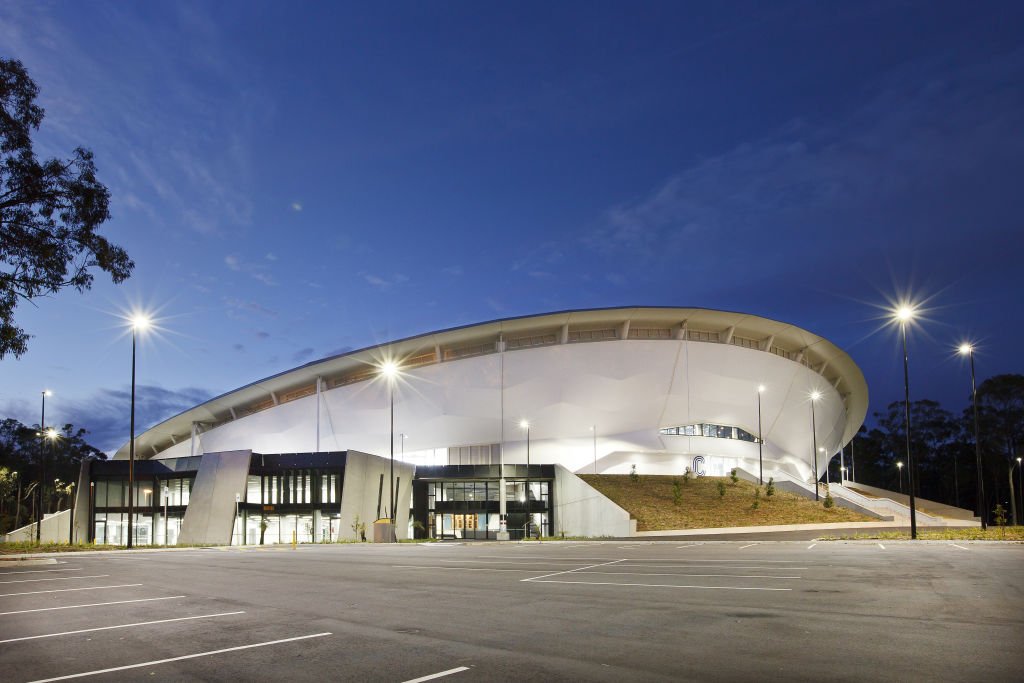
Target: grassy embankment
column 993, row 533
column 650, row 501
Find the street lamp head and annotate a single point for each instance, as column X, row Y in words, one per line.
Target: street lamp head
column 904, row 313
column 815, row 395
column 47, row 392
column 760, row 388
column 51, row 434
column 900, row 465
column 821, row 449
column 389, row 369
column 140, row 322
column 524, row 424
column 965, row 349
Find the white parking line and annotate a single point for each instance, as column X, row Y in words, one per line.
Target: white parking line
column 694, row 545
column 660, row 585
column 729, row 576
column 465, row 569
column 958, row 546
column 68, row 590
column 811, row 546
column 95, row 604
column 178, row 659
column 439, row 674
column 107, row 628
column 881, row 546
column 40, row 571
column 751, row 545
column 703, row 566
column 60, row 578
column 570, row 571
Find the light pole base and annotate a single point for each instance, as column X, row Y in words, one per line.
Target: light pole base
column 503, row 536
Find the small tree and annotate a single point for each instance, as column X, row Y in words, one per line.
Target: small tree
column 633, row 476
column 359, row 528
column 677, row 492
column 828, row 502
column 721, row 489
column 757, row 499
column 735, row 477
column 999, row 516
column 769, row 490
column 687, row 475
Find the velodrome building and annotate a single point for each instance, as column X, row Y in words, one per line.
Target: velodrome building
column 490, row 425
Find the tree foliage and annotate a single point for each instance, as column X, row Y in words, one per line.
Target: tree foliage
column 24, row 457
column 49, row 213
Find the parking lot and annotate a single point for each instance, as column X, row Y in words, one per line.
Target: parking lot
column 553, row 611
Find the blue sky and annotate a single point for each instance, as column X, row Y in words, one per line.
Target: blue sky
column 297, row 180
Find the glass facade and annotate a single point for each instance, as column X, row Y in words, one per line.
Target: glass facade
column 469, row 509
column 151, row 525
column 710, row 430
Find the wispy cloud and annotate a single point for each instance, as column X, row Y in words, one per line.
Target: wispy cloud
column 104, row 414
column 296, row 207
column 234, row 304
column 303, row 354
column 452, row 270
column 257, row 271
column 385, row 282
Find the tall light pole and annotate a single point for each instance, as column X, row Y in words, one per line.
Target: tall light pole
column 42, row 466
column 968, row 350
column 760, row 438
column 390, row 371
column 900, row 466
column 1020, row 488
column 524, row 424
column 593, row 429
column 139, row 323
column 167, row 494
column 905, row 314
column 815, row 395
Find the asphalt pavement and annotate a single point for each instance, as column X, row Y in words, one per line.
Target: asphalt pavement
column 566, row 611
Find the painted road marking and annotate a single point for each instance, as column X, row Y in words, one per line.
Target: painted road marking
column 68, row 590
column 465, row 569
column 40, row 571
column 731, row 576
column 178, row 659
column 811, row 546
column 694, row 545
column 95, row 604
column 659, row 585
column 702, row 566
column 881, row 546
column 958, row 546
column 636, row 559
column 439, row 674
column 60, row 578
column 107, row 628
column 570, row 571
column 747, row 546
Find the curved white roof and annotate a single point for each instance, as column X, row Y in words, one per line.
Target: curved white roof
column 563, row 327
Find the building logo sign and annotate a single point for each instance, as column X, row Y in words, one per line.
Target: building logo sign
column 698, row 465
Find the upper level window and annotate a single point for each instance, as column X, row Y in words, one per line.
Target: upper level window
column 715, row 431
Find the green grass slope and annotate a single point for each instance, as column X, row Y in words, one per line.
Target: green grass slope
column 650, row 501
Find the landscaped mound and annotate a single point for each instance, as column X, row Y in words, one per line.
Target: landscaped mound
column 651, row 501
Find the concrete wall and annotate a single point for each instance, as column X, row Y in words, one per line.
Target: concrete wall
column 581, row 510
column 81, row 505
column 210, row 515
column 56, row 529
column 936, row 509
column 360, row 490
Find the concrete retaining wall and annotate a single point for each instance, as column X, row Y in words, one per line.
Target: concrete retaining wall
column 582, row 510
